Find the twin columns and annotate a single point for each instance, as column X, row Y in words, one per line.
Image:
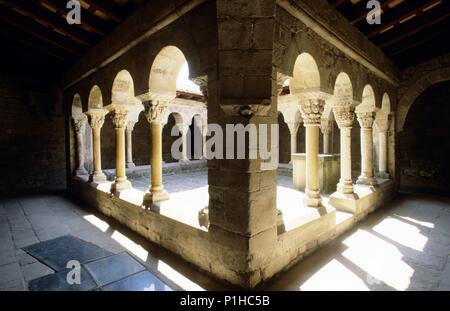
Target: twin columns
column 311, row 108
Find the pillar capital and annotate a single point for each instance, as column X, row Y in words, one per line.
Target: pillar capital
column 155, row 111
column 293, row 127
column 79, row 123
column 96, row 118
column 365, row 119
column 344, row 116
column 382, row 121
column 326, row 126
column 130, row 125
column 120, row 117
column 311, row 110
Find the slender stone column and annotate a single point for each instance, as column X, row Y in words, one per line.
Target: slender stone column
column 80, row 129
column 155, row 113
column 344, row 117
column 382, row 125
column 129, row 140
column 326, row 129
column 119, row 118
column 365, row 120
column 311, row 111
column 293, row 129
column 96, row 119
column 184, row 134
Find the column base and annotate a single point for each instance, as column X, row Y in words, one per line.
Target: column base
column 345, row 187
column 81, row 171
column 119, row 185
column 130, row 165
column 155, row 196
column 312, row 198
column 365, row 180
column 345, row 202
column 384, row 175
column 97, row 177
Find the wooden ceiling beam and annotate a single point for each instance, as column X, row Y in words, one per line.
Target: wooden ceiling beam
column 109, row 8
column 414, row 30
column 38, row 30
column 401, row 17
column 89, row 21
column 43, row 16
column 362, row 14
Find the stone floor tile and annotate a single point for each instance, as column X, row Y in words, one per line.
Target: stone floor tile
column 35, row 270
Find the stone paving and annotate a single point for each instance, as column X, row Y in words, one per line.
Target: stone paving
column 401, row 247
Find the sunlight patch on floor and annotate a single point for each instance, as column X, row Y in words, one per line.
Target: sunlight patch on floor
column 378, row 258
column 334, row 276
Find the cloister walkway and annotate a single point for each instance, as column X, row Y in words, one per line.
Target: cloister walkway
column 404, row 246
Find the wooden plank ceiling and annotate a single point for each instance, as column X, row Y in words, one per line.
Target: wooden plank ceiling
column 411, row 31
column 40, row 25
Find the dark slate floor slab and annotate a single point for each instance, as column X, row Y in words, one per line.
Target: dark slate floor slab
column 58, row 252
column 113, row 268
column 58, row 282
column 142, row 281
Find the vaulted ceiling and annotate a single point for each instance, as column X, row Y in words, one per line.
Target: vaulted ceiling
column 411, row 31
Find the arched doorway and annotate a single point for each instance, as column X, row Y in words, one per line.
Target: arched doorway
column 424, row 143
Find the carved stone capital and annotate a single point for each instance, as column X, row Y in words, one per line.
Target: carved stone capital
column 130, row 125
column 79, row 124
column 120, row 118
column 326, row 126
column 365, row 119
column 202, row 82
column 344, row 116
column 311, row 111
column 382, row 121
column 96, row 121
column 155, row 111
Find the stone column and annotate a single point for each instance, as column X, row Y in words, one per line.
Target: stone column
column 365, row 120
column 326, row 129
column 155, row 113
column 344, row 117
column 129, row 141
column 96, row 120
column 80, row 130
column 184, row 134
column 119, row 118
column 311, row 112
column 293, row 129
column 382, row 125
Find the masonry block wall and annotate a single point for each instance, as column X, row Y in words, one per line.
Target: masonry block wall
column 32, row 141
column 424, row 144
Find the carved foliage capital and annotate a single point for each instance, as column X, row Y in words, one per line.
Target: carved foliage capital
column 326, row 126
column 365, row 119
column 120, row 118
column 96, row 121
column 155, row 111
column 312, row 110
column 344, row 116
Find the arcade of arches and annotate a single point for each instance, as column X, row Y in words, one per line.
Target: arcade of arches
column 352, row 132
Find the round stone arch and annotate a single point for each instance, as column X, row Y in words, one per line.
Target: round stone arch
column 306, row 75
column 95, row 99
column 414, row 90
column 122, row 90
column 164, row 72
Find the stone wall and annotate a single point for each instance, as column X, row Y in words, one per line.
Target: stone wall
column 424, row 143
column 32, row 140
